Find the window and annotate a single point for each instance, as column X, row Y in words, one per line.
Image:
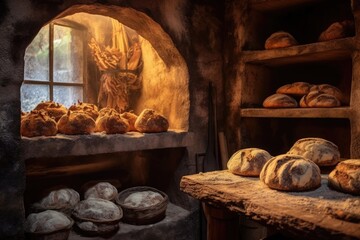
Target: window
column 54, row 67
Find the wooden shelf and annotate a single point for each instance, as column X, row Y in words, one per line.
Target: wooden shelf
column 76, row 145
column 340, row 112
column 314, row 52
column 269, row 5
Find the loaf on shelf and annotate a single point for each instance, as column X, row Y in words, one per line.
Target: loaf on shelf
column 55, row 110
column 280, row 39
column 346, row 177
column 74, row 123
column 279, row 100
column 318, row 99
column 87, row 108
column 151, row 121
column 111, row 122
column 338, row 30
column 38, row 123
column 295, row 89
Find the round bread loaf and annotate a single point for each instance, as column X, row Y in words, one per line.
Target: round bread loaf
column 47, row 222
column 55, row 110
column 106, row 110
column 97, row 210
column 76, row 123
column 111, row 123
column 150, row 121
column 88, row 108
column 329, row 89
column 346, row 177
column 338, row 30
column 131, row 118
column 103, row 190
column 295, row 89
column 248, row 161
column 317, row 99
column 289, row 172
column 279, row 100
column 38, row 123
column 320, row 151
column 280, row 39
column 143, row 199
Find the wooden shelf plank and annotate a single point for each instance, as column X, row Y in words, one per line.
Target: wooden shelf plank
column 76, row 145
column 340, row 112
column 320, row 51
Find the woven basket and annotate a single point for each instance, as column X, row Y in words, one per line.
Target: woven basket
column 142, row 215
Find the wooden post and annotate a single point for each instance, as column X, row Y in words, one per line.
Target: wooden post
column 221, row 223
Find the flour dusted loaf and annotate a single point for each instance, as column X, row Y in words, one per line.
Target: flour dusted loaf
column 76, row 123
column 295, row 89
column 346, row 177
column 248, row 161
column 279, row 100
column 55, row 110
column 111, row 122
column 38, row 123
column 131, row 118
column 280, row 39
column 103, row 190
column 338, row 30
column 150, row 121
column 143, row 199
column 289, row 172
column 320, row 151
column 87, row 108
column 318, row 99
column 47, row 222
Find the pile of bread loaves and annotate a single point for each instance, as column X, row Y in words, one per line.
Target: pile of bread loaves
column 97, row 214
column 308, row 95
column 49, row 118
column 336, row 30
column 299, row 168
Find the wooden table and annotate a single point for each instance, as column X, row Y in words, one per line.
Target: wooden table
column 319, row 214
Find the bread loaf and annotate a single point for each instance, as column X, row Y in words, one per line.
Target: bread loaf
column 317, row 99
column 289, row 172
column 55, row 110
column 150, row 121
column 143, row 199
column 318, row 150
column 47, row 222
column 280, row 39
column 338, row 30
column 280, row 101
column 76, row 123
column 248, row 161
column 103, row 190
column 295, row 89
column 97, row 210
column 346, row 177
column 111, row 123
column 38, row 123
column 87, row 108
column 329, row 89
column 131, row 118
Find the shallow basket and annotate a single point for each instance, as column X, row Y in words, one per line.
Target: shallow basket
column 142, row 215
column 61, row 234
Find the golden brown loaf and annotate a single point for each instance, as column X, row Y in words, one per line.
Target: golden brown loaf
column 55, row 110
column 38, row 123
column 317, row 99
column 131, row 118
column 338, row 30
column 111, row 123
column 88, row 108
column 328, row 89
column 280, row 39
column 295, row 89
column 76, row 123
column 103, row 190
column 150, row 121
column 248, row 161
column 289, row 172
column 279, row 100
column 346, row 177
column 318, row 150
column 47, row 222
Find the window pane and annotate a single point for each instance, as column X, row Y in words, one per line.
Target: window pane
column 68, row 95
column 68, row 55
column 32, row 95
column 37, row 57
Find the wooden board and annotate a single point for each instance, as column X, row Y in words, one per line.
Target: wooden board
column 315, row 214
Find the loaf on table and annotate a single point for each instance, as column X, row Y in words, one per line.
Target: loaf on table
column 88, row 108
column 38, row 123
column 280, row 39
column 248, row 161
column 295, row 89
column 346, row 177
column 278, row 100
column 318, row 150
column 289, row 172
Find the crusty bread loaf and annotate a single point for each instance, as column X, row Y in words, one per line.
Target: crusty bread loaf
column 55, row 110
column 97, row 210
column 143, row 199
column 47, row 222
column 279, row 100
column 111, row 123
column 317, row 99
column 295, row 89
column 289, row 172
column 150, row 121
column 318, row 150
column 76, row 123
column 248, row 161
column 346, row 177
column 329, row 89
column 280, row 39
column 38, row 123
column 131, row 118
column 88, row 108
column 103, row 190
column 338, row 30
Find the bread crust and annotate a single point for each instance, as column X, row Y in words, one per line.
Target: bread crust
column 318, row 99
column 88, row 108
column 74, row 123
column 295, row 89
column 346, row 177
column 280, row 39
column 150, row 121
column 338, row 30
column 279, row 100
column 38, row 123
column 55, row 110
column 111, row 123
